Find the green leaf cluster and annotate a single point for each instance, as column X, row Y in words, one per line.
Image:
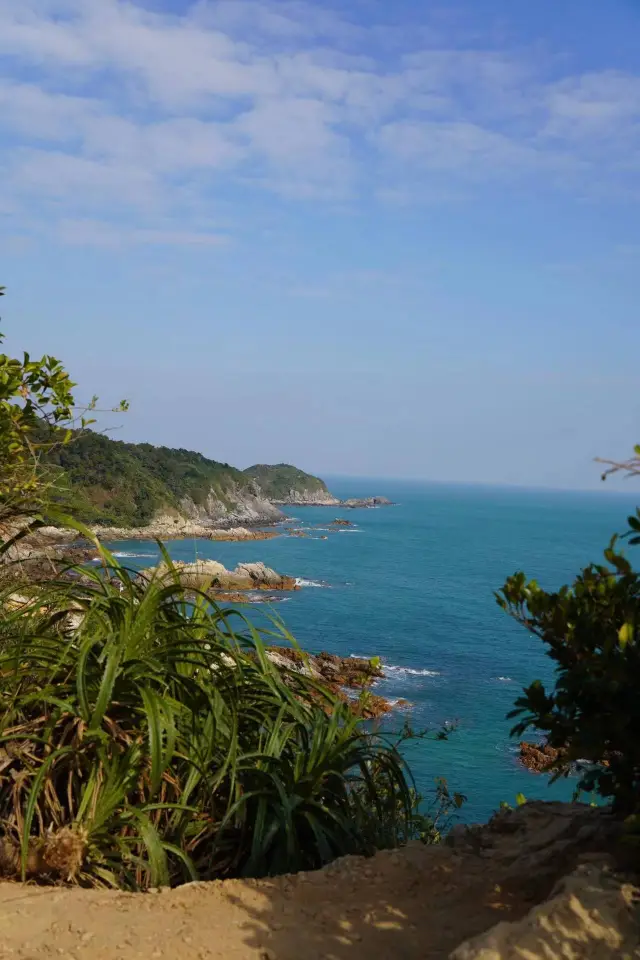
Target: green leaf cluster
column 592, row 715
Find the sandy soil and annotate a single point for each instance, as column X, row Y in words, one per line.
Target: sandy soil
column 419, row 903
column 416, row 904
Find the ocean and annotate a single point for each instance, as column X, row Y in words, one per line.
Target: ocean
column 413, row 584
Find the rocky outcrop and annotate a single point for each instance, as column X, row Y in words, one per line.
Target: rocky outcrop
column 308, row 498
column 538, row 842
column 366, row 503
column 591, row 915
column 539, row 757
column 170, row 527
column 341, row 675
column 240, row 505
column 211, row 576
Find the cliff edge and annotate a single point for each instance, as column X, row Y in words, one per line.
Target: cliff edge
column 498, row 887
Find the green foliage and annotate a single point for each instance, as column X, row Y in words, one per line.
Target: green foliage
column 32, row 393
column 37, row 412
column 151, row 728
column 277, row 481
column 432, row 817
column 126, row 484
column 592, row 632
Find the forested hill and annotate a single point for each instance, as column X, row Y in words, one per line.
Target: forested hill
column 128, row 484
column 283, row 483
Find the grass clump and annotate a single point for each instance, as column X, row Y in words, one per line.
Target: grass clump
column 146, row 739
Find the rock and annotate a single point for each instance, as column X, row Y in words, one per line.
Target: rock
column 300, row 664
column 539, row 757
column 260, row 575
column 240, row 534
column 308, row 498
column 340, row 522
column 590, row 915
column 176, row 528
column 538, row 841
column 367, row 503
column 337, row 674
column 209, row 574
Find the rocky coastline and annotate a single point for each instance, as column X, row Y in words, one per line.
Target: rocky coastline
column 171, row 528
column 350, row 679
column 308, row 498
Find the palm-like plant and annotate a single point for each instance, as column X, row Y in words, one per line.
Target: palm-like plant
column 146, row 738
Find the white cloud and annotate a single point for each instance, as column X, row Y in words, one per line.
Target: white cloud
column 106, row 103
column 100, row 234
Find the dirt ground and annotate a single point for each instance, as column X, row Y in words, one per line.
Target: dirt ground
column 400, row 906
column 420, row 902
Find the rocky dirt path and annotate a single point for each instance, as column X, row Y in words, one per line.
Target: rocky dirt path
column 417, row 903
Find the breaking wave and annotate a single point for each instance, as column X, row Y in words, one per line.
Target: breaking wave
column 411, row 671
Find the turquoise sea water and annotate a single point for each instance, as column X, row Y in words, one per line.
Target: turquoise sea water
column 414, row 585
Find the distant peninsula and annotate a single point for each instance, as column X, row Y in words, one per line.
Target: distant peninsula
column 287, row 485
column 114, row 484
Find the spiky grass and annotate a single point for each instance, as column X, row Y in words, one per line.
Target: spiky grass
column 147, row 739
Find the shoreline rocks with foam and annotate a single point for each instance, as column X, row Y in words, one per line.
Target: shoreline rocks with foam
column 211, row 575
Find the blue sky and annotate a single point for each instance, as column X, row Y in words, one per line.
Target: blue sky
column 386, row 239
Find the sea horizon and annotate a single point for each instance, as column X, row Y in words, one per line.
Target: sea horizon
column 607, row 487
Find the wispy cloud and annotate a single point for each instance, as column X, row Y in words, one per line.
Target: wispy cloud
column 107, row 107
column 99, row 234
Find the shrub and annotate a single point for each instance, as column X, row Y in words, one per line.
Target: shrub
column 592, row 715
column 145, row 738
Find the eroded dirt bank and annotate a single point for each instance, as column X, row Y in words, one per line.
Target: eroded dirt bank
column 421, row 902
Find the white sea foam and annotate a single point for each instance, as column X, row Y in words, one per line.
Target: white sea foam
column 301, row 582
column 123, row 554
column 505, row 679
column 410, row 671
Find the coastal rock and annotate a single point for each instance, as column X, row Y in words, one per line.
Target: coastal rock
column 173, row 527
column 240, row 506
column 339, row 675
column 366, row 503
column 539, row 757
column 308, row 498
column 340, row 522
column 211, row 575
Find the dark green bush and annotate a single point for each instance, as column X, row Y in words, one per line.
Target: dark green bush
column 592, row 714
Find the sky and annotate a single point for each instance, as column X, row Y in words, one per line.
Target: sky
column 368, row 238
